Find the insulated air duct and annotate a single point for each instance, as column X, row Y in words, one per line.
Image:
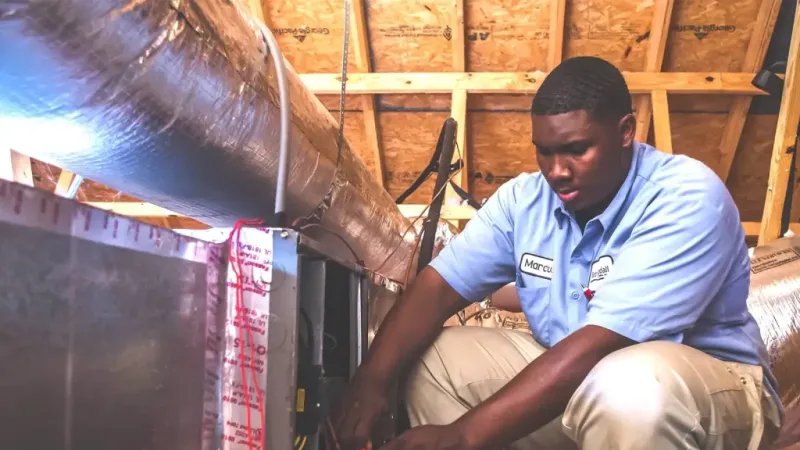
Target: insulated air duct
column 176, row 103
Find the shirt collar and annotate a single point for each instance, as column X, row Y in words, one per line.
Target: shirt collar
column 607, row 216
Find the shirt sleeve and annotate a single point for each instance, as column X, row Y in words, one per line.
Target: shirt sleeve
column 675, row 262
column 480, row 259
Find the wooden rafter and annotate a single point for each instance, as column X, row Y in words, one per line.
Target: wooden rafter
column 523, row 83
column 361, row 51
column 659, row 30
column 753, row 60
column 459, row 49
column 663, row 129
column 458, row 104
column 785, row 141
column 555, row 46
column 449, row 212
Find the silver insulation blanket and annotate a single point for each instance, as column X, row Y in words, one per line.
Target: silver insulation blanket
column 775, row 303
column 176, row 103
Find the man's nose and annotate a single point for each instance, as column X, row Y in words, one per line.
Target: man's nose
column 560, row 169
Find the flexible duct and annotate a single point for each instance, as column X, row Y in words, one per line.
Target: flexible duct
column 176, row 103
column 774, row 301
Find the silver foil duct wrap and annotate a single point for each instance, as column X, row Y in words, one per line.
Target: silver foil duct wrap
column 176, row 103
column 775, row 303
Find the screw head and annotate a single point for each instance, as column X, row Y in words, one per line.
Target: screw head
column 284, row 234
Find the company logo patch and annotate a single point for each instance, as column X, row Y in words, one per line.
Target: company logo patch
column 600, row 271
column 537, row 266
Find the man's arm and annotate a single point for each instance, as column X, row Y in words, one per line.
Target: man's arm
column 410, row 327
column 539, row 393
column 474, row 264
column 506, row 299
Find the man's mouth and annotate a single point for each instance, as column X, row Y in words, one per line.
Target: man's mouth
column 567, row 196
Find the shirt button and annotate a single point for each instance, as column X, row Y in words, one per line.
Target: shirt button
column 575, row 295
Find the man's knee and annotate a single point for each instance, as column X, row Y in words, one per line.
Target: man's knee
column 632, row 389
column 466, row 365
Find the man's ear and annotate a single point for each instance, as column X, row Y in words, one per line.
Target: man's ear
column 627, row 129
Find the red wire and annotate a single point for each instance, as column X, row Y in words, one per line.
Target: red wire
column 239, row 286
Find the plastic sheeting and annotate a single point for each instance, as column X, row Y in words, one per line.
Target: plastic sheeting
column 176, row 103
column 775, row 303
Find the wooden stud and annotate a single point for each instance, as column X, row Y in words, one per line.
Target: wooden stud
column 523, row 83
column 785, row 140
column 659, row 30
column 459, row 48
column 753, row 60
column 661, row 120
column 361, row 51
column 555, row 48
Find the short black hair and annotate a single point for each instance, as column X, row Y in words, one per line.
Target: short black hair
column 584, row 83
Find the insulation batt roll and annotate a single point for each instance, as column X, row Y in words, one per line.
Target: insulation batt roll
column 176, row 103
column 775, row 303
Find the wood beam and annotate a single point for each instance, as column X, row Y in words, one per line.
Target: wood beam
column 555, row 46
column 449, row 212
column 523, row 83
column 459, row 47
column 663, row 129
column 659, row 30
column 15, row 167
column 785, row 141
column 753, row 60
column 361, row 51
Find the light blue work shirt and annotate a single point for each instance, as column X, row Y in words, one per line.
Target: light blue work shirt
column 667, row 260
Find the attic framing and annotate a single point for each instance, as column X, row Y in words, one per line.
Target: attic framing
column 456, row 78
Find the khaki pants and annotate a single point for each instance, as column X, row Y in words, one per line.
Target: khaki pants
column 650, row 396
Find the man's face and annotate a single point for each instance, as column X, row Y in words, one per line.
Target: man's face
column 583, row 160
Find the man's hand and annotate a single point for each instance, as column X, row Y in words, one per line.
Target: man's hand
column 410, row 327
column 429, row 437
column 358, row 411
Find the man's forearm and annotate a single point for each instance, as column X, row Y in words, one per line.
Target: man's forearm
column 410, row 327
column 539, row 393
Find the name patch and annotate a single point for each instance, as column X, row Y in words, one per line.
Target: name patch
column 600, row 271
column 537, row 266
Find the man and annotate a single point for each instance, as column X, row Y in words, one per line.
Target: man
column 631, row 267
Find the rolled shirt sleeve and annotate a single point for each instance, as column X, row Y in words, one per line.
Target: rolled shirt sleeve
column 481, row 258
column 671, row 267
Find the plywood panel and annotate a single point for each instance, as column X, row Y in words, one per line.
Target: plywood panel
column 616, row 30
column 709, row 34
column 409, row 36
column 501, row 148
column 507, row 35
column 748, row 178
column 697, row 135
column 408, row 140
column 310, row 33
